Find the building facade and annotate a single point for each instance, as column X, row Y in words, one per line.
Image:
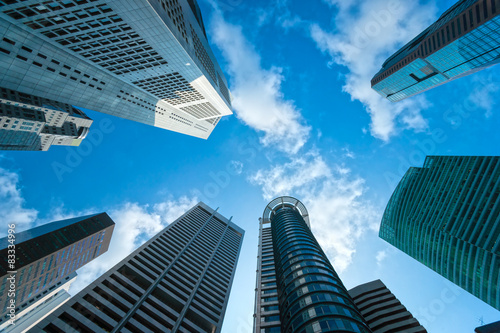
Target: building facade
column 297, row 288
column 28, row 122
column 146, row 61
column 178, row 281
column 464, row 40
column 34, row 312
column 382, row 311
column 446, row 215
column 47, row 254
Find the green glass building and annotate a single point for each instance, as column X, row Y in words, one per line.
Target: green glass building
column 447, row 216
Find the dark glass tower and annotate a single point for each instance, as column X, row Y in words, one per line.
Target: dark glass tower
column 297, row 288
column 45, row 255
column 447, row 216
column 179, row 281
column 464, row 40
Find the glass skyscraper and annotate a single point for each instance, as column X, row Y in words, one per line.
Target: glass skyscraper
column 464, row 40
column 297, row 288
column 178, row 281
column 146, row 61
column 446, row 215
column 45, row 255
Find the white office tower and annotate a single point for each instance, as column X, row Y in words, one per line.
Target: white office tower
column 40, row 307
column 146, row 61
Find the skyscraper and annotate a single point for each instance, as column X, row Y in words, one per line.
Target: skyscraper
column 146, row 61
column 28, row 122
column 178, row 281
column 382, row 311
column 464, row 40
column 35, row 311
column 490, row 328
column 297, row 288
column 446, row 215
column 45, row 255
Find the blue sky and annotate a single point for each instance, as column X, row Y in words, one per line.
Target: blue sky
column 306, row 124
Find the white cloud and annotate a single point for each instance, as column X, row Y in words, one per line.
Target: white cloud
column 12, row 204
column 134, row 224
column 362, row 40
column 484, row 95
column 381, row 255
column 333, row 197
column 258, row 99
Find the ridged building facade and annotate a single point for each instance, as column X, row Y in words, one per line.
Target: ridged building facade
column 297, row 288
column 382, row 311
column 446, row 215
column 47, row 254
column 464, row 40
column 178, row 281
column 146, row 61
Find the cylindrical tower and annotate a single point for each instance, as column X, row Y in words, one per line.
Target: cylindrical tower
column 311, row 296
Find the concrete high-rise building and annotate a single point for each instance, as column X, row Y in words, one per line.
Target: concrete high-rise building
column 143, row 60
column 46, row 255
column 33, row 312
column 297, row 288
column 28, row 122
column 464, row 40
column 382, row 311
column 179, row 281
column 446, row 215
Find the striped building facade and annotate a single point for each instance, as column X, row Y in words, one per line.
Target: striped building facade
column 446, row 215
column 178, row 281
column 382, row 311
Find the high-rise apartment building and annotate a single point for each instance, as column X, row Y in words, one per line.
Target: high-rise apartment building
column 446, row 215
column 382, row 311
column 297, row 288
column 38, row 309
column 146, row 61
column 28, row 122
column 464, row 40
column 179, row 281
column 46, row 255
